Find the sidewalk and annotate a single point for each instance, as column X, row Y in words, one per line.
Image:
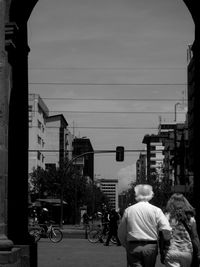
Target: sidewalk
column 74, row 231
column 73, row 252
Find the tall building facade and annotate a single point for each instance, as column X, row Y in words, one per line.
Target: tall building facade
column 38, row 113
column 57, row 143
column 191, row 110
column 141, row 168
column 154, row 147
column 85, row 163
column 50, row 141
column 110, row 188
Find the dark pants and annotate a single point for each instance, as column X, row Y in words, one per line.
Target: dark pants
column 140, row 254
column 111, row 233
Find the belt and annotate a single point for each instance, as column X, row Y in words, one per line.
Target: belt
column 144, row 242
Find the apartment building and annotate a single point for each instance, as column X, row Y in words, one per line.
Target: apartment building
column 50, row 141
column 57, row 145
column 110, row 188
column 38, row 112
column 191, row 108
column 85, row 163
column 154, row 147
column 141, row 168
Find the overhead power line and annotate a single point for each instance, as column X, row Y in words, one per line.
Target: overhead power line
column 107, row 84
column 109, row 68
column 109, row 99
column 117, row 112
column 102, row 127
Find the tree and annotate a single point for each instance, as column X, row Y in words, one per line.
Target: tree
column 77, row 190
column 44, row 183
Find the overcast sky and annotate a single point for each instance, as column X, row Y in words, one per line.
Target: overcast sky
column 110, row 49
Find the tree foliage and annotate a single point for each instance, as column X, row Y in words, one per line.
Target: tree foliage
column 77, row 190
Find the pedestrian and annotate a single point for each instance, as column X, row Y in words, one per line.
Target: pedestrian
column 86, row 219
column 105, row 219
column 139, row 228
column 180, row 214
column 86, row 225
column 113, row 227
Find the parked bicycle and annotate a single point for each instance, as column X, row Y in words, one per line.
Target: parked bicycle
column 99, row 235
column 46, row 231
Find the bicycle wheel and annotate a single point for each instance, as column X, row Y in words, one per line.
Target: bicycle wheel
column 55, row 235
column 93, row 236
column 35, row 233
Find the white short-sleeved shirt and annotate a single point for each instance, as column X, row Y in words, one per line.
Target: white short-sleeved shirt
column 142, row 221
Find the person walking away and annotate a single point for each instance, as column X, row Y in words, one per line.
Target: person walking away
column 180, row 214
column 139, row 228
column 113, row 227
column 86, row 220
column 105, row 219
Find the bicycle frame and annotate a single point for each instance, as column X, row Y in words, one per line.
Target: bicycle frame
column 42, row 230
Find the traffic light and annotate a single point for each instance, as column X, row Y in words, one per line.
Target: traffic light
column 119, row 153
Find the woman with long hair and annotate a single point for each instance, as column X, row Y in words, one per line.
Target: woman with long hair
column 180, row 214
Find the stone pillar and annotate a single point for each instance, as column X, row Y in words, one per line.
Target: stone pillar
column 17, row 49
column 5, row 243
column 196, row 54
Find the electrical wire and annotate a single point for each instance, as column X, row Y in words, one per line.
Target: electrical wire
column 107, row 84
column 111, row 112
column 108, row 68
column 101, row 127
column 109, row 99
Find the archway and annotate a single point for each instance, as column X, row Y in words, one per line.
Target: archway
column 17, row 48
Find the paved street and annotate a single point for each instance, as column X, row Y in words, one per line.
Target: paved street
column 75, row 252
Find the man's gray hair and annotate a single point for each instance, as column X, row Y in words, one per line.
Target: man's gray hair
column 143, row 192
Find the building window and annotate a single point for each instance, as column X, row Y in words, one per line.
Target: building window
column 153, row 148
column 38, row 155
column 39, row 124
column 39, row 139
column 30, row 108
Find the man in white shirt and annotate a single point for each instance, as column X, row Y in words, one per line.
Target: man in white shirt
column 139, row 229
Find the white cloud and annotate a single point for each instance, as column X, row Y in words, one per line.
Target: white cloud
column 126, row 175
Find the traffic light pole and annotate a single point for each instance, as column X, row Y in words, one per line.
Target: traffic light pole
column 65, row 172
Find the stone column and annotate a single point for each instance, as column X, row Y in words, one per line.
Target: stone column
column 196, row 51
column 5, row 243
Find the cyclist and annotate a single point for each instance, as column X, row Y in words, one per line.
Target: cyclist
column 44, row 218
